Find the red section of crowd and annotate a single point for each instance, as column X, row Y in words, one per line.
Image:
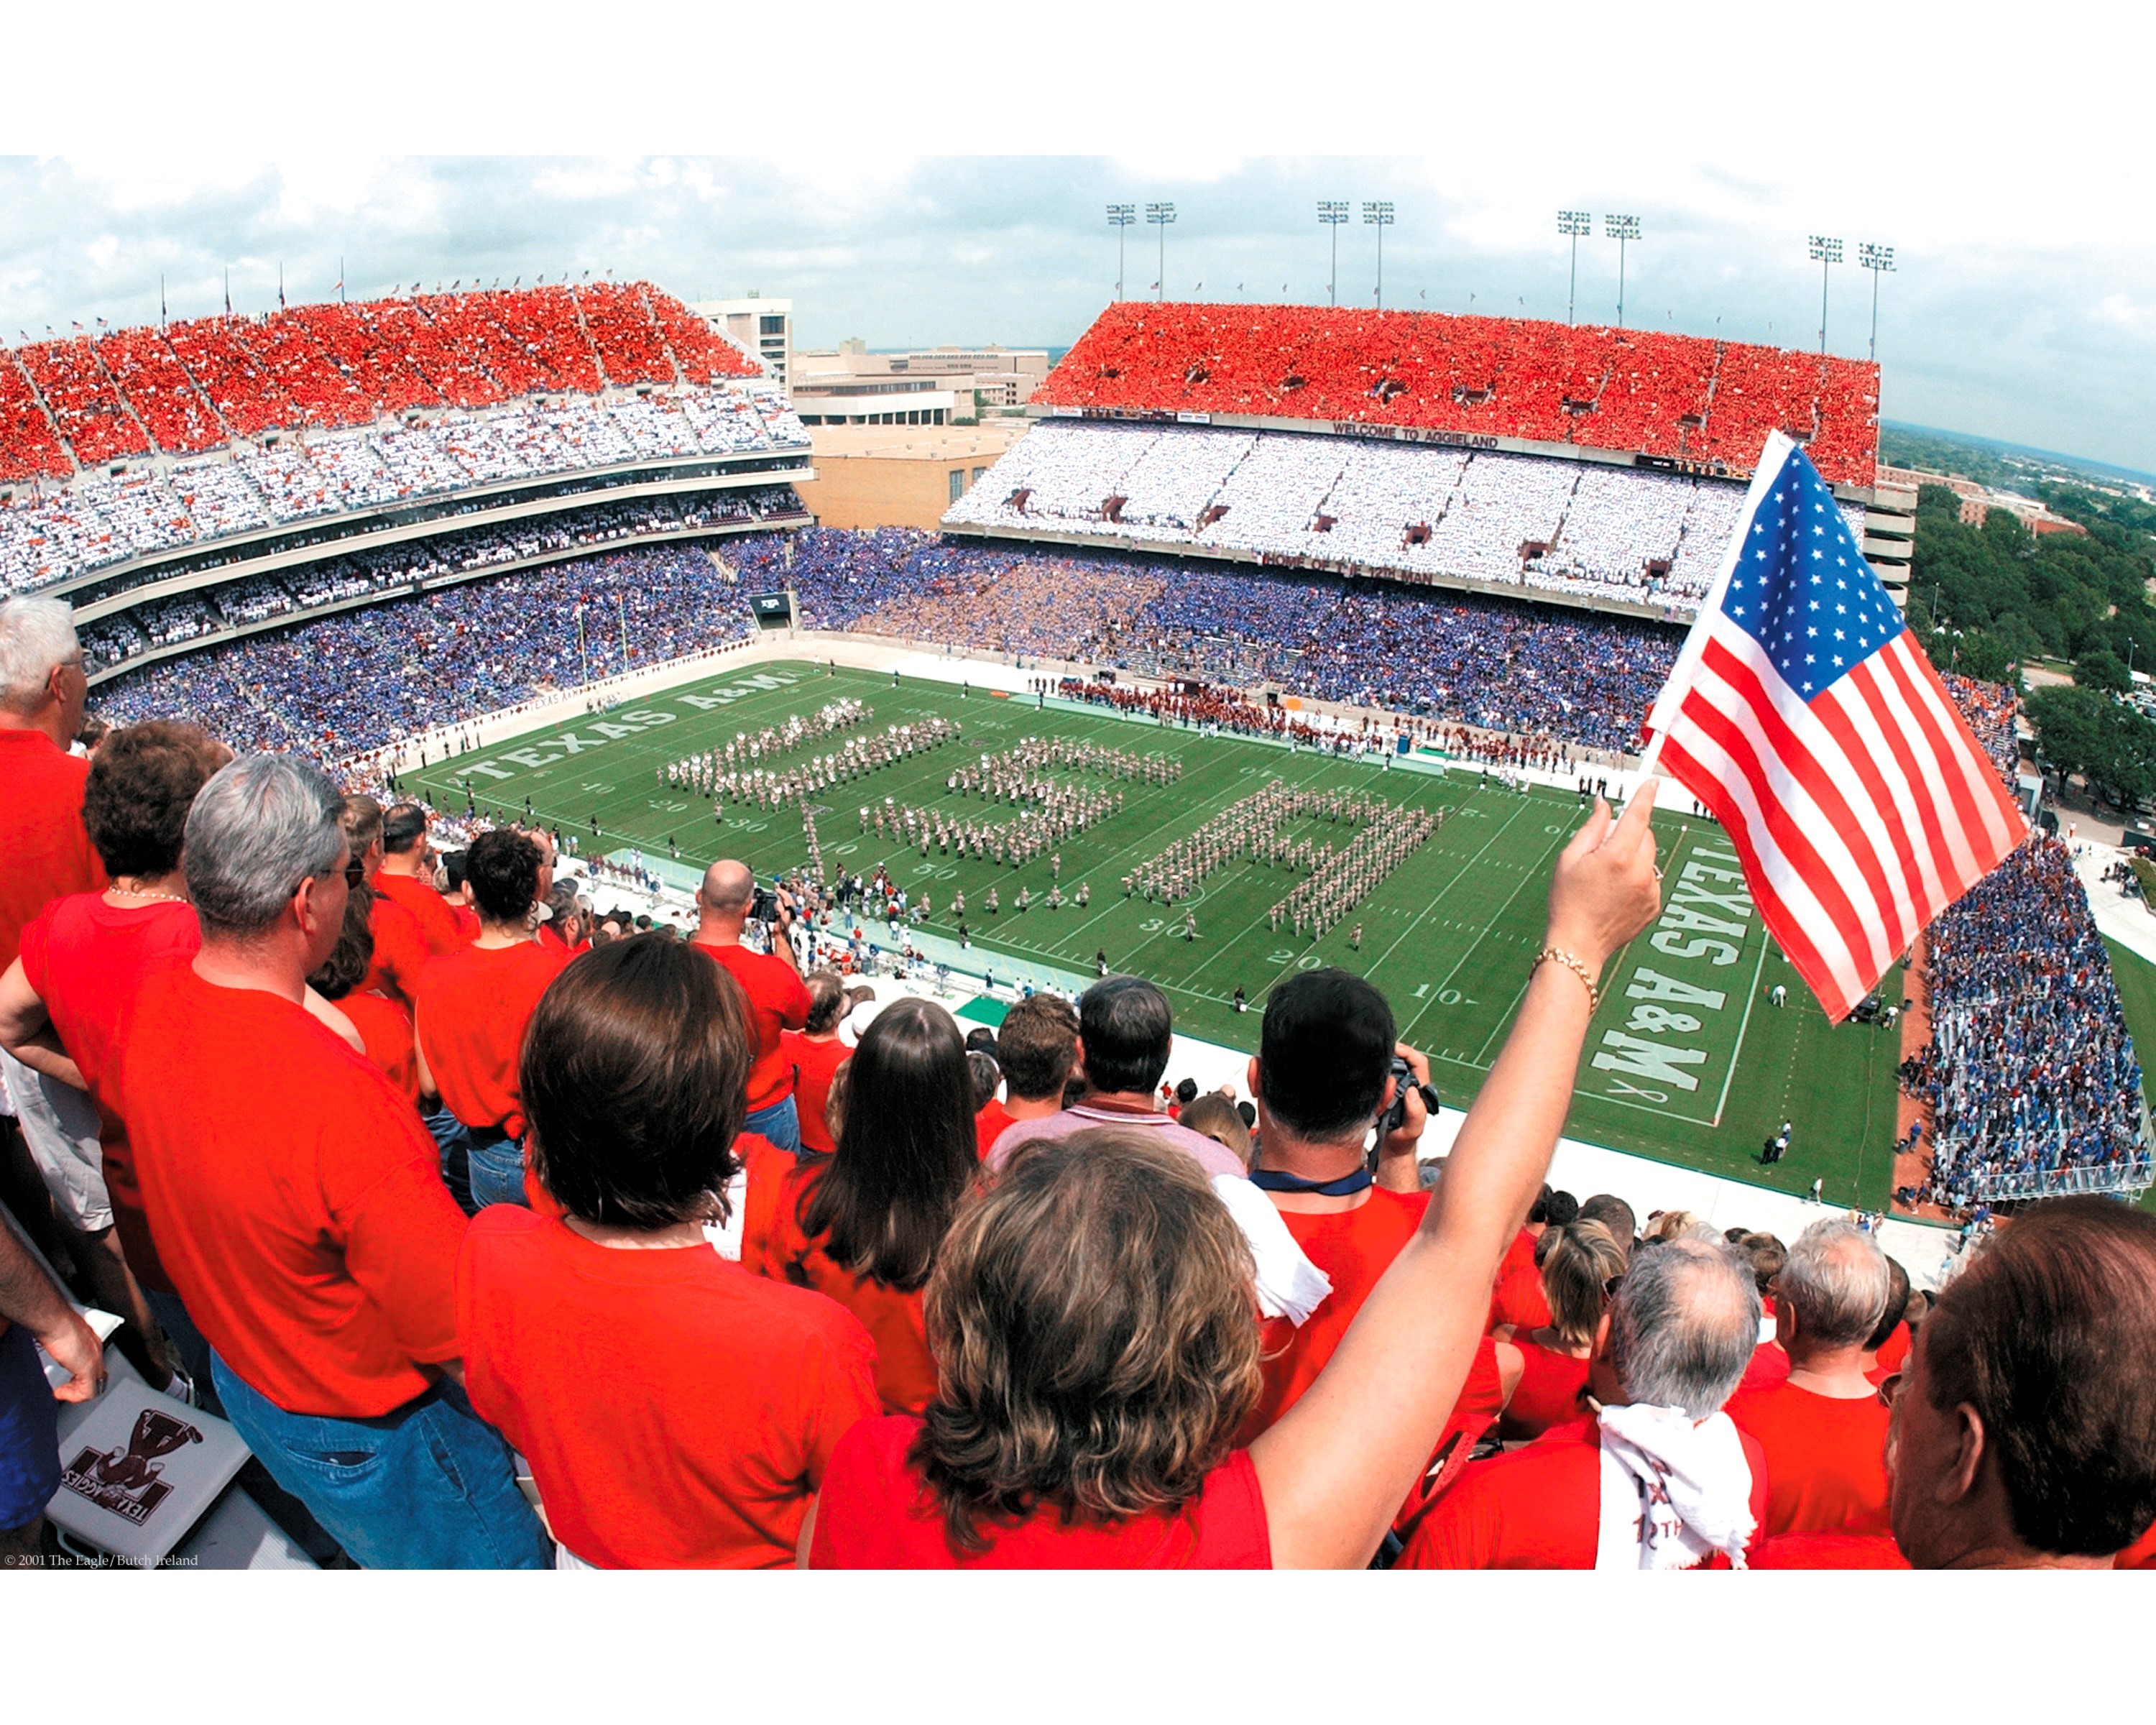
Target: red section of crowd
column 85, row 405
column 1616, row 389
column 196, row 384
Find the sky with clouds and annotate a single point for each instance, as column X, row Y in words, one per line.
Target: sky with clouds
column 2021, row 307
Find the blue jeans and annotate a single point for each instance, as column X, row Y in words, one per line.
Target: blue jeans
column 29, row 1432
column 429, row 1486
column 453, row 1141
column 496, row 1161
column 781, row 1123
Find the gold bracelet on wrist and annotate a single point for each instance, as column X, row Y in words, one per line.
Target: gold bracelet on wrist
column 1557, row 955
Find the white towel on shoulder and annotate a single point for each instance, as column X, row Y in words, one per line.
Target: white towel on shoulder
column 1674, row 1491
column 1288, row 1284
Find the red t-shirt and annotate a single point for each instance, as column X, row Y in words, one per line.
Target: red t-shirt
column 1826, row 1551
column 85, row 959
column 905, row 1369
column 1535, row 1508
column 297, row 1201
column 1826, row 1458
column 768, row 1168
column 1520, row 1301
column 776, row 1001
column 44, row 849
column 473, row 1006
column 1353, row 1248
column 1893, row 1354
column 677, row 1412
column 2139, row 1555
column 877, row 1513
column 991, row 1123
column 386, row 1030
column 400, row 951
column 1770, row 1366
column 437, row 921
column 816, row 1063
column 1548, row 1393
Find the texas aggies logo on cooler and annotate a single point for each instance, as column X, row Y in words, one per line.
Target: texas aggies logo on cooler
column 128, row 1481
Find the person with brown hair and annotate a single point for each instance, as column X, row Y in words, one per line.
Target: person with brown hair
column 2024, row 1432
column 398, row 942
column 817, row 1053
column 1037, row 1047
column 406, row 874
column 864, row 1224
column 677, row 1411
column 82, row 959
column 469, row 1020
column 1091, row 1312
column 1548, row 1366
column 383, row 1029
column 1213, row 1116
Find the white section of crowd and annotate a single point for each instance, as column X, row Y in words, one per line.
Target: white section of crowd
column 1508, row 521
column 51, row 536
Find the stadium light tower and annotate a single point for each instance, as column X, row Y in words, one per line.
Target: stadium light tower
column 1623, row 229
column 1572, row 224
column 1331, row 213
column 1119, row 217
column 1160, row 215
column 1878, row 259
column 1826, row 253
column 1379, row 215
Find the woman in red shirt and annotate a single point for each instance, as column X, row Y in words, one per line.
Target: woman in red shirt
column 816, row 1054
column 1576, row 1261
column 384, row 1033
column 677, row 1411
column 863, row 1226
column 1093, row 1316
column 61, row 1002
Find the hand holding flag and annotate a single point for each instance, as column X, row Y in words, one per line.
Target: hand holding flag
column 1805, row 718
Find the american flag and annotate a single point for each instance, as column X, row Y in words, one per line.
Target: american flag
column 1805, row 718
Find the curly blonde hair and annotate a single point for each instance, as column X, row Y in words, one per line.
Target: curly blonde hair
column 1094, row 1318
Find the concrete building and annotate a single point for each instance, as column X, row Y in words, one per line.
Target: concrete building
column 764, row 327
column 847, row 385
column 894, row 476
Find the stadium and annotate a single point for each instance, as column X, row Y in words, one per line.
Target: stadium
column 1287, row 642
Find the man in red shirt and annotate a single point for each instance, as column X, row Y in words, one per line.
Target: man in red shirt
column 297, row 1202
column 407, row 875
column 1037, row 1047
column 1823, row 1428
column 776, row 999
column 1669, row 1353
column 45, row 854
column 471, row 1012
column 2025, row 1424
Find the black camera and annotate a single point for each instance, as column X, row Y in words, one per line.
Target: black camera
column 764, row 906
column 1396, row 1116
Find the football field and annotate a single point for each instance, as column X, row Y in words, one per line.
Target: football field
column 1688, row 1060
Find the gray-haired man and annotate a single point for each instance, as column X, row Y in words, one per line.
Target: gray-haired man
column 298, row 1205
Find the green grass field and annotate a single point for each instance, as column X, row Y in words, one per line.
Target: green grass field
column 1687, row 1061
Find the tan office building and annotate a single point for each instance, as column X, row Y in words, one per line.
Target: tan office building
column 900, row 476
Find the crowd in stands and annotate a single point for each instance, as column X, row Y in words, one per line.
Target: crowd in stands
column 352, row 682
column 2031, row 1073
column 1991, row 710
column 1506, row 521
column 754, row 1268
column 113, row 640
column 1633, row 390
column 1581, row 679
column 69, row 404
column 74, row 530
